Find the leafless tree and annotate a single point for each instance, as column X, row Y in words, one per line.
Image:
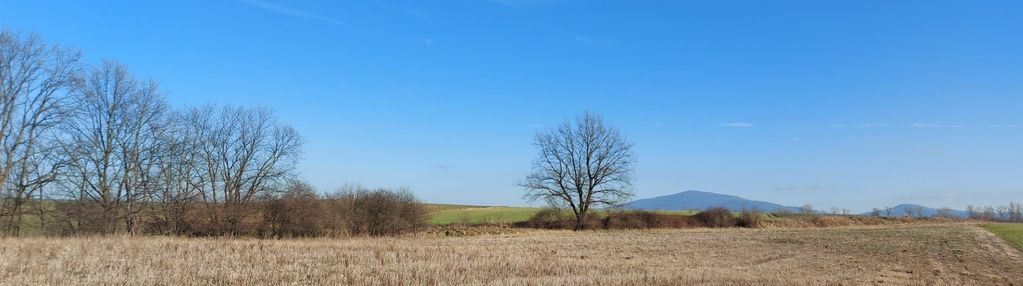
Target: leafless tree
column 1003, row 212
column 583, row 164
column 988, row 213
column 1015, row 212
column 888, row 211
column 914, row 211
column 176, row 177
column 875, row 212
column 34, row 83
column 807, row 209
column 242, row 152
column 112, row 146
column 946, row 212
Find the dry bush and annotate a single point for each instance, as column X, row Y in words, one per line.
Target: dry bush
column 555, row 218
column 717, row 217
column 549, row 218
column 646, row 219
column 376, row 212
column 628, row 220
column 751, row 218
column 298, row 212
column 832, row 221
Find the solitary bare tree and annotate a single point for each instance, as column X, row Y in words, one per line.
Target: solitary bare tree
column 583, row 164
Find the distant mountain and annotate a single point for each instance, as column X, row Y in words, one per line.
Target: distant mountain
column 697, row 200
column 907, row 209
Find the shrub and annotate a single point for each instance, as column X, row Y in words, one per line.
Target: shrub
column 628, row 220
column 832, row 221
column 717, row 217
column 549, row 218
column 379, row 212
column 646, row 219
column 751, row 218
column 298, row 212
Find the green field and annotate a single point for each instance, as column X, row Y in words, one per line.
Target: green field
column 441, row 214
column 1011, row 232
column 451, row 214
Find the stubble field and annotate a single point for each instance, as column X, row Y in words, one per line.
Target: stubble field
column 955, row 254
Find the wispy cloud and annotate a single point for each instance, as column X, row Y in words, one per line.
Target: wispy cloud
column 292, row 11
column 929, row 125
column 440, row 167
column 583, row 40
column 591, row 41
column 737, row 125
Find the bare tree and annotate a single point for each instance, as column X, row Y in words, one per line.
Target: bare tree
column 176, row 177
column 888, row 211
column 946, row 212
column 914, row 211
column 34, row 80
column 1015, row 212
column 111, row 146
column 242, row 152
column 807, row 209
column 1003, row 212
column 988, row 213
column 583, row 164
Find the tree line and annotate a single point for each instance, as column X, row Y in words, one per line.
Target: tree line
column 91, row 149
column 1013, row 212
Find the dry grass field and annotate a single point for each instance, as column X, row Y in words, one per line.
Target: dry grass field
column 957, row 254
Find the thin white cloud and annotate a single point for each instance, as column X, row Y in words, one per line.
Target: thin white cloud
column 929, row 125
column 737, row 125
column 591, row 41
column 583, row 40
column 292, row 11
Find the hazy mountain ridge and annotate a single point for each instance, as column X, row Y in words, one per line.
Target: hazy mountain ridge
column 699, row 200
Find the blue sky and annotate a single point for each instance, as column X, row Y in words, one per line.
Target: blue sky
column 854, row 104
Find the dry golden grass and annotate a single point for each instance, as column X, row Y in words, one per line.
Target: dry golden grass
column 909, row 254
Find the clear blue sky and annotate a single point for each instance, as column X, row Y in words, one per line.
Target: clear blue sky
column 854, row 104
